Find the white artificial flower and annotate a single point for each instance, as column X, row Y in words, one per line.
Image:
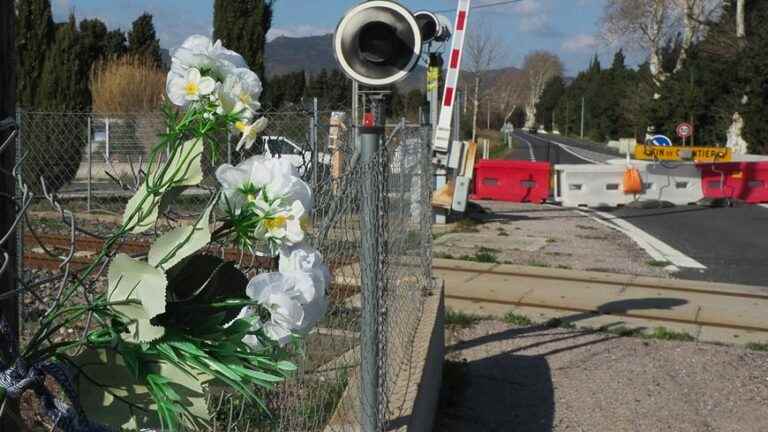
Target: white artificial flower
column 277, row 178
column 200, row 53
column 282, row 226
column 306, row 259
column 276, row 293
column 250, row 132
column 190, row 87
column 240, row 92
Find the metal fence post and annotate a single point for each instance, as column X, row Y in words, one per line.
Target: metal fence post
column 229, row 147
column 370, row 138
column 20, row 227
column 90, row 165
column 315, row 144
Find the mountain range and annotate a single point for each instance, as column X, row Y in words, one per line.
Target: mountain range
column 315, row 53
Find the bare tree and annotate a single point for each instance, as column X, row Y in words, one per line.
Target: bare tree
column 511, row 88
column 484, row 47
column 643, row 25
column 741, row 29
column 538, row 67
column 696, row 15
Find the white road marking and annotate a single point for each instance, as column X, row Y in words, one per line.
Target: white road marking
column 657, row 249
column 573, row 152
column 530, row 149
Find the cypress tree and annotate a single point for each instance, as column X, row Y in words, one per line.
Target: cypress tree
column 552, row 94
column 64, row 83
column 142, row 39
column 242, row 26
column 93, row 38
column 34, row 36
column 115, row 43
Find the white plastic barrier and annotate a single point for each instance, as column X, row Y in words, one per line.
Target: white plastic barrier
column 590, row 186
column 678, row 183
column 601, row 185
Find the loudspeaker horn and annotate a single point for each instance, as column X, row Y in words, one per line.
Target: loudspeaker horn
column 377, row 43
column 433, row 27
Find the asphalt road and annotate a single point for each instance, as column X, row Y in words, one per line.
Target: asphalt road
column 730, row 242
column 540, row 149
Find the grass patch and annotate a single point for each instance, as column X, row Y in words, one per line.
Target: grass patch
column 483, row 255
column 564, row 267
column 436, row 236
column 656, row 263
column 663, row 333
column 551, row 240
column 444, row 256
column 538, row 264
column 623, row 331
column 516, row 319
column 454, row 318
column 559, row 323
column 467, row 225
column 754, row 346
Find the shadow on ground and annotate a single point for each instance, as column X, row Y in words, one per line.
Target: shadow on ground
column 513, row 392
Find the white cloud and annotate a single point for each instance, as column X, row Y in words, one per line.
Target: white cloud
column 527, row 7
column 580, row 43
column 298, row 31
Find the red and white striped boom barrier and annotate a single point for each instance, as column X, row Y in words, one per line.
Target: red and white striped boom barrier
column 443, row 130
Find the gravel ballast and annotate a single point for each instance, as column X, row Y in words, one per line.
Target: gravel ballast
column 505, row 378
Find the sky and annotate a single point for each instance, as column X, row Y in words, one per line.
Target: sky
column 566, row 27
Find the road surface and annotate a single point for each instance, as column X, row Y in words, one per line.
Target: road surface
column 730, row 242
column 557, row 150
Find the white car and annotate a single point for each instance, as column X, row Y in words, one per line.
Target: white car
column 301, row 158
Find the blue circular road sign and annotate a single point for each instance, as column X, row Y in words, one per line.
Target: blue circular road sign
column 661, row 140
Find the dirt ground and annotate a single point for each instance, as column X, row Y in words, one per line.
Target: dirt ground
column 500, row 377
column 543, row 236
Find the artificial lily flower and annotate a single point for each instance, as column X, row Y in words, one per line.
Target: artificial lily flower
column 276, row 293
column 250, row 132
column 304, row 258
column 281, row 226
column 240, row 92
column 189, row 88
column 277, row 178
column 200, row 53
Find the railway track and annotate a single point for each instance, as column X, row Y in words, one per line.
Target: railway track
column 702, row 304
column 87, row 247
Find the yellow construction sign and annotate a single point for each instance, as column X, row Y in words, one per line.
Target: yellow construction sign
column 676, row 153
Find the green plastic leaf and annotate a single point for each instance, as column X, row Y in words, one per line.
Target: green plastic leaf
column 185, row 169
column 132, row 280
column 174, row 246
column 141, row 211
column 286, row 366
column 112, row 396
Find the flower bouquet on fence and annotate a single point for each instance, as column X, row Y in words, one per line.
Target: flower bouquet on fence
column 175, row 322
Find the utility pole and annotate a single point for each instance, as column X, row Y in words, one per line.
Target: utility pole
column 582, row 117
column 9, row 307
column 488, row 115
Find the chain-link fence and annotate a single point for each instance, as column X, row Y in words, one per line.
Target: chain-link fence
column 93, row 161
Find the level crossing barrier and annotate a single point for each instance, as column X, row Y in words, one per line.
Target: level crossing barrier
column 512, row 181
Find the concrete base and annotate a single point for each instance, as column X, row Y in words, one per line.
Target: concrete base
column 414, row 398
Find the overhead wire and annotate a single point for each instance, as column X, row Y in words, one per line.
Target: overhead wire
column 487, row 5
